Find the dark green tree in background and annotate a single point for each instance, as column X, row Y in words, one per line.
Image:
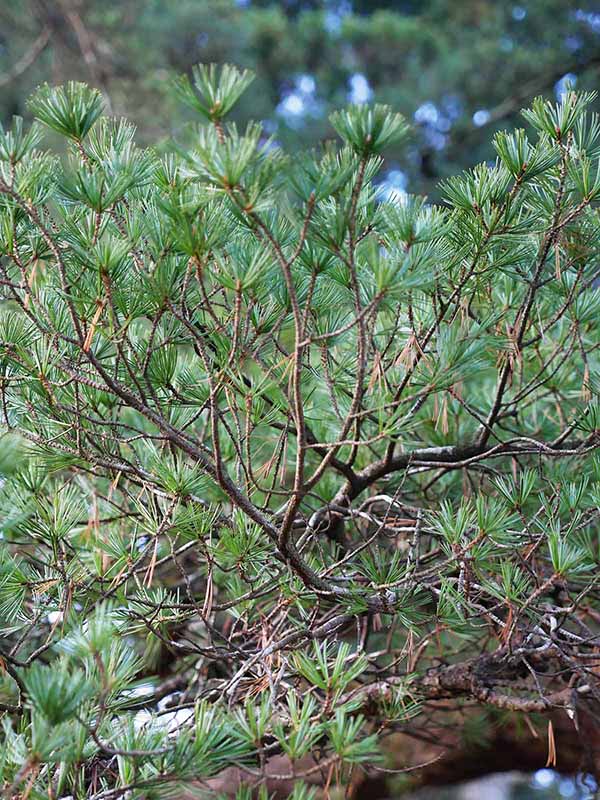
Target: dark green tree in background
column 458, row 70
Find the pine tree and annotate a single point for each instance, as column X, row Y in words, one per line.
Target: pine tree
column 284, row 461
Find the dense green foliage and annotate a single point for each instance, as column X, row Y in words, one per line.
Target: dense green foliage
column 284, row 462
column 460, row 69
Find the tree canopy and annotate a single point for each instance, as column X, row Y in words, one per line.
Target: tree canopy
column 289, row 465
column 457, row 70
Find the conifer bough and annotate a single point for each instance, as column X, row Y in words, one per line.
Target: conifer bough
column 285, row 464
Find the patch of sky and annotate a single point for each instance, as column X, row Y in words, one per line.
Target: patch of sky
column 300, row 101
column 579, row 787
column 359, row 89
column 427, row 113
column 481, row 117
column 393, row 186
column 306, row 84
column 589, row 18
column 573, row 43
column 269, row 143
column 292, row 105
column 519, row 13
column 436, row 120
column 270, row 126
column 567, row 788
column 562, row 86
column 334, row 15
column 452, row 106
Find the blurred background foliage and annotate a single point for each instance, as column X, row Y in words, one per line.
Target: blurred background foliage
column 458, row 68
